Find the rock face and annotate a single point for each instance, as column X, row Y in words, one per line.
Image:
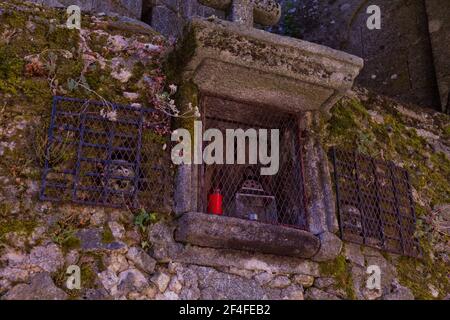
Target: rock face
column 399, row 293
column 129, row 8
column 91, row 240
column 231, row 233
column 33, row 235
column 20, row 266
column 131, row 280
column 317, row 294
column 263, row 12
column 438, row 26
column 141, row 259
column 330, row 247
column 41, row 287
column 399, row 60
column 169, row 18
column 49, row 258
column 161, row 280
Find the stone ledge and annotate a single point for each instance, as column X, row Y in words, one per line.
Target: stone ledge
column 231, row 233
column 330, row 247
column 254, row 66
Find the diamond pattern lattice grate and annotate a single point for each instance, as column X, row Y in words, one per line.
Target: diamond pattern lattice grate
column 106, row 154
column 375, row 203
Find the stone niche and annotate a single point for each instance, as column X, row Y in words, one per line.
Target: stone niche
column 235, row 64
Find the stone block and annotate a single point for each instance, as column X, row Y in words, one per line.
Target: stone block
column 330, row 247
column 41, row 287
column 254, row 66
column 231, row 233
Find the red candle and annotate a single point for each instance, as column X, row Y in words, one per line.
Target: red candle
column 215, row 203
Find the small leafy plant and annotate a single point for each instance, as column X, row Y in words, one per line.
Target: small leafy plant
column 143, row 219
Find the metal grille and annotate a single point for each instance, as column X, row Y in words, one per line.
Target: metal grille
column 275, row 199
column 106, row 154
column 375, row 203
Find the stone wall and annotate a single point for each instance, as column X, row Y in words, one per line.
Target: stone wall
column 439, row 26
column 398, row 58
column 128, row 8
column 170, row 16
column 124, row 256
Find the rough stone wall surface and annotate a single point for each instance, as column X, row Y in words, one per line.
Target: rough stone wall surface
column 398, row 58
column 129, row 8
column 170, row 16
column 123, row 257
column 439, row 26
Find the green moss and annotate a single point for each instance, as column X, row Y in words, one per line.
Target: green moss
column 339, row 269
column 178, row 59
column 14, row 19
column 37, row 92
column 10, row 70
column 5, row 209
column 417, row 275
column 98, row 260
column 98, row 43
column 19, row 226
column 11, row 66
column 63, row 38
column 88, row 280
column 187, row 94
column 101, row 81
column 65, row 237
column 429, row 173
column 107, row 235
column 68, row 68
column 346, row 119
column 88, row 276
column 70, row 243
column 351, row 126
column 447, row 132
column 150, row 137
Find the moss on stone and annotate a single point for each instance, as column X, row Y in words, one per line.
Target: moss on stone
column 12, row 225
column 187, row 94
column 394, row 139
column 98, row 43
column 339, row 270
column 88, row 276
column 447, row 132
column 149, row 138
column 71, row 242
column 63, row 38
column 14, row 19
column 178, row 59
column 107, row 235
column 418, row 275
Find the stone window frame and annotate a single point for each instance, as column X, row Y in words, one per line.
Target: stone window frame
column 201, row 205
column 290, row 74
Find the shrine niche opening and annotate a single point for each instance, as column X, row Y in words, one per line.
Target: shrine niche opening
column 275, row 199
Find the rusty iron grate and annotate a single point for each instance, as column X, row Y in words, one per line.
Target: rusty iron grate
column 277, row 199
column 115, row 160
column 374, row 202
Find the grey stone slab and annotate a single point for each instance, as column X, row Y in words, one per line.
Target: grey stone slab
column 254, row 66
column 231, row 233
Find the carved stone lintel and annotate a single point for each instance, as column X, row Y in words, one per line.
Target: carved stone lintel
column 257, row 67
